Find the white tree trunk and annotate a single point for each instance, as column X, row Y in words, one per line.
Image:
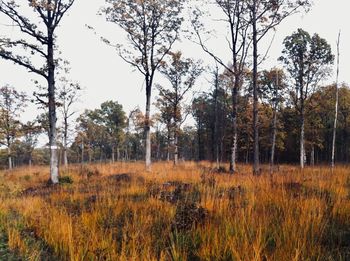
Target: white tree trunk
column 9, row 157
column 113, row 158
column 336, row 106
column 176, row 149
column 302, row 142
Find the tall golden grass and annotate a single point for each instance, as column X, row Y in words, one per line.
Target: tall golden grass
column 290, row 215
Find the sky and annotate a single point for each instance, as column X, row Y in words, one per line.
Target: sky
column 105, row 76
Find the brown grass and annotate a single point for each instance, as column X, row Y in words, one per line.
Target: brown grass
column 105, row 216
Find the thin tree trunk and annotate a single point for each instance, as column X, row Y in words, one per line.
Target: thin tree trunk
column 113, row 152
column 148, row 127
column 65, row 141
column 302, row 138
column 274, row 125
column 233, row 160
column 52, row 110
column 274, row 134
column 256, row 167
column 176, row 149
column 9, row 157
column 216, row 134
column 118, row 154
column 82, row 152
column 336, row 106
column 312, row 156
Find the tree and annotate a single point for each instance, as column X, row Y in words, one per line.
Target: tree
column 336, row 105
column 182, row 75
column 152, row 27
column 273, row 85
column 112, row 117
column 68, row 94
column 307, row 59
column 235, row 16
column 30, row 132
column 265, row 16
column 166, row 117
column 36, row 37
column 12, row 103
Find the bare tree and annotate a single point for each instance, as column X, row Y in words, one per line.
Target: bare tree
column 336, row 104
column 152, row 28
column 39, row 42
column 235, row 16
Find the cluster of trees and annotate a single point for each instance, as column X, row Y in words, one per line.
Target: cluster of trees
column 250, row 115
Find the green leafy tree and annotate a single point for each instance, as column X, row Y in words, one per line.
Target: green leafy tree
column 307, row 59
column 12, row 103
column 112, row 117
column 272, row 87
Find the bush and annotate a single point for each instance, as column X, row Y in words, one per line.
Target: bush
column 65, row 180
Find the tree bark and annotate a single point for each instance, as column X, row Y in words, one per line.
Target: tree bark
column 274, row 134
column 216, row 124
column 113, row 157
column 256, row 167
column 176, row 147
column 312, row 156
column 52, row 109
column 233, row 167
column 336, row 106
column 9, row 157
column 302, row 137
column 148, row 127
column 65, row 142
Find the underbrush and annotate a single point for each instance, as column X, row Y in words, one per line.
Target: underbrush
column 191, row 212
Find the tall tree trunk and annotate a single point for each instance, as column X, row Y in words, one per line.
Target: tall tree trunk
column 176, row 148
column 274, row 134
column 113, row 152
column 216, row 127
column 312, row 155
column 233, row 160
column 9, row 157
column 82, row 152
column 65, row 142
column 336, row 106
column 118, row 154
column 256, row 167
column 148, row 127
column 302, row 137
column 274, row 125
column 52, row 110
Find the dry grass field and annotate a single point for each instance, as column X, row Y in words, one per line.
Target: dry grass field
column 120, row 212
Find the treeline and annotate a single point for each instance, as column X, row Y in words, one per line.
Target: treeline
column 109, row 134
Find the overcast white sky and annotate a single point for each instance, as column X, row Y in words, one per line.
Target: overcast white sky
column 105, row 76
